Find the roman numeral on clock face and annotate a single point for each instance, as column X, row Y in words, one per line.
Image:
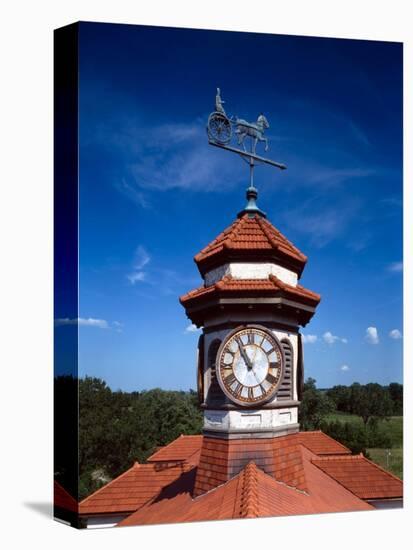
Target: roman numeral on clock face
column 238, row 389
column 250, row 338
column 271, row 379
column 229, row 380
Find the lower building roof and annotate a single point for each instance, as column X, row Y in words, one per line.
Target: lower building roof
column 361, row 476
column 308, row 472
column 250, row 494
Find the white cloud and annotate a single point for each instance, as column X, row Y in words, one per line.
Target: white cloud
column 136, row 276
column 344, row 368
column 330, row 338
column 90, row 322
column 395, row 267
column 141, row 259
column 309, row 338
column 192, row 328
column 372, row 336
column 395, row 334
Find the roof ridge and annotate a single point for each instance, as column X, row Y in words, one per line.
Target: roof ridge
column 337, row 457
column 249, row 492
column 284, row 238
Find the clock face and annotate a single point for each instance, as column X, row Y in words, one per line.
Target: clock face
column 249, row 365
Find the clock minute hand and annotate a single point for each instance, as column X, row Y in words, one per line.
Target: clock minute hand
column 244, row 354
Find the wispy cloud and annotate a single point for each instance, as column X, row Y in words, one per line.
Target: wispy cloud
column 395, row 267
column 338, row 175
column 344, row 368
column 372, row 335
column 164, row 157
column 166, row 281
column 320, row 221
column 395, row 334
column 192, row 328
column 141, row 259
column 118, row 326
column 330, row 338
column 309, row 338
column 133, row 193
column 80, row 321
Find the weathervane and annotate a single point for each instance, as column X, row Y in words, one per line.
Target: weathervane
column 219, row 130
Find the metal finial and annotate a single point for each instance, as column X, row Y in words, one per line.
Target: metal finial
column 251, row 208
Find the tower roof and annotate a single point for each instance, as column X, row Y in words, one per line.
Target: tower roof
column 251, row 239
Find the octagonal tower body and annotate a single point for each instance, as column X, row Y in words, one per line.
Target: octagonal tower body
column 250, row 274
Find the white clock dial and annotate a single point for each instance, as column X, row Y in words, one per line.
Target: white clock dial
column 249, row 365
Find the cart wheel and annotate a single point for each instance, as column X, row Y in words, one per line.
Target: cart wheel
column 219, row 128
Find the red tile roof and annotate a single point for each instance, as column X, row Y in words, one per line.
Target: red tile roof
column 186, row 448
column 360, row 476
column 221, row 459
column 305, row 472
column 251, row 238
column 271, row 287
column 132, row 489
column 251, row 493
column 320, row 443
column 62, row 499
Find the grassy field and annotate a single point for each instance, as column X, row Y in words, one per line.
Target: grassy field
column 393, row 462
column 393, row 428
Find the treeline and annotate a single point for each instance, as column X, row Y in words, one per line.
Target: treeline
column 373, row 403
column 117, row 428
column 370, row 400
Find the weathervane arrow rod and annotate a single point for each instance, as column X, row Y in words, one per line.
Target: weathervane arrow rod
column 248, row 155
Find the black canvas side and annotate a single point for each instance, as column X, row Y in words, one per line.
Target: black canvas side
column 66, row 399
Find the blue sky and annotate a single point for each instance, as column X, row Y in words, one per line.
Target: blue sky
column 153, row 192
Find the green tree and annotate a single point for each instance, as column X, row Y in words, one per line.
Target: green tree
column 370, row 401
column 315, row 406
column 396, row 395
column 341, row 395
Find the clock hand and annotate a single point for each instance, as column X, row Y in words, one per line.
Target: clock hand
column 244, row 354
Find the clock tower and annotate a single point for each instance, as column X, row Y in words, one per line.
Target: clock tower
column 250, row 308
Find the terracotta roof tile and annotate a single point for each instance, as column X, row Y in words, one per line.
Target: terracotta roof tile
column 252, row 493
column 185, row 448
column 271, row 287
column 320, row 443
column 132, row 489
column 248, row 235
column 305, row 472
column 361, row 476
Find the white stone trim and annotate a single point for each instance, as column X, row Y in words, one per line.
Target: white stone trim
column 257, row 419
column 251, row 271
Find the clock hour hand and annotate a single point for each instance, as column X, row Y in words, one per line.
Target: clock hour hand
column 244, row 354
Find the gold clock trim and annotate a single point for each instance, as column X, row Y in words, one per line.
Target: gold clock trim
column 234, row 388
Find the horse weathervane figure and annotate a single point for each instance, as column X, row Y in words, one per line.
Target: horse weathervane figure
column 219, row 130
